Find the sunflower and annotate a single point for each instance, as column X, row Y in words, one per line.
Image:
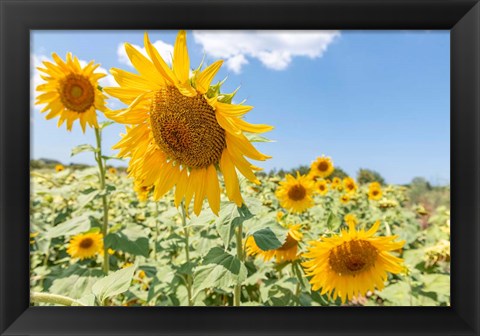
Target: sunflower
column 286, row 252
column 295, row 194
column 112, row 170
column 349, row 185
column 71, row 91
column 344, row 199
column 322, row 167
column 322, row 187
column 374, row 191
column 352, row 263
column 59, row 168
column 336, row 182
column 142, row 190
column 85, row 245
column 180, row 130
column 350, row 219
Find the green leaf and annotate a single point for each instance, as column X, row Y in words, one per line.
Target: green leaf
column 229, row 218
column 104, row 124
column 71, row 227
column 106, row 157
column 256, row 138
column 220, row 270
column 268, row 239
column 437, row 283
column 84, row 200
column 76, row 281
column 82, row 148
column 120, row 242
column 333, row 222
column 113, row 284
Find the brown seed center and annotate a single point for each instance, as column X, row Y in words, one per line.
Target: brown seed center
column 86, row 243
column 352, row 257
column 186, row 128
column 76, row 93
column 323, row 166
column 297, row 192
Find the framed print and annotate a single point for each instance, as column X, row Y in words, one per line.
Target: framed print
column 247, row 168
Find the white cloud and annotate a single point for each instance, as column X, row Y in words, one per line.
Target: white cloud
column 274, row 49
column 165, row 50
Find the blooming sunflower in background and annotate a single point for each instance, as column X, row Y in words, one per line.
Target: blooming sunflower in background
column 142, row 190
column 352, row 263
column 59, row 168
column 335, row 182
column 287, row 252
column 374, row 191
column 181, row 131
column 295, row 194
column 344, row 199
column 71, row 91
column 85, row 245
column 322, row 187
column 322, row 167
column 349, row 185
column 112, row 170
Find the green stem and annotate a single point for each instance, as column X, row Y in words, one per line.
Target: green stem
column 157, row 228
column 36, row 297
column 101, row 169
column 187, row 253
column 238, row 287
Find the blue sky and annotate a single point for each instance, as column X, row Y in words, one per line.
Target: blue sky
column 378, row 100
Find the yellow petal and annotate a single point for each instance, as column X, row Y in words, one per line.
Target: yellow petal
column 199, row 190
column 232, row 110
column 181, row 61
column 158, row 61
column 246, row 147
column 132, row 81
column 181, row 187
column 206, row 76
column 213, row 189
column 252, row 128
column 143, row 65
column 231, row 180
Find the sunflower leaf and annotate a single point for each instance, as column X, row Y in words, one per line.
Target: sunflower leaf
column 268, row 239
column 83, row 148
column 120, row 242
column 219, row 270
column 230, row 217
column 113, row 284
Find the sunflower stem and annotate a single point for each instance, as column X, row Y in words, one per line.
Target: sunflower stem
column 36, row 297
column 101, row 169
column 189, row 279
column 157, row 228
column 238, row 287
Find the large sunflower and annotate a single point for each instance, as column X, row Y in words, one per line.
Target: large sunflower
column 71, row 91
column 181, row 131
column 295, row 194
column 322, row 167
column 352, row 263
column 85, row 245
column 286, row 252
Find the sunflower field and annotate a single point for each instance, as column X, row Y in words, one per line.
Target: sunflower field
column 192, row 222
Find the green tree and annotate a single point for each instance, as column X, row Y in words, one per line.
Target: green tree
column 365, row 176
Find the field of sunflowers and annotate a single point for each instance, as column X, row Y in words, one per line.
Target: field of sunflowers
column 192, row 222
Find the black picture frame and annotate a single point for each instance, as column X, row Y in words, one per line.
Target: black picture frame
column 18, row 17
